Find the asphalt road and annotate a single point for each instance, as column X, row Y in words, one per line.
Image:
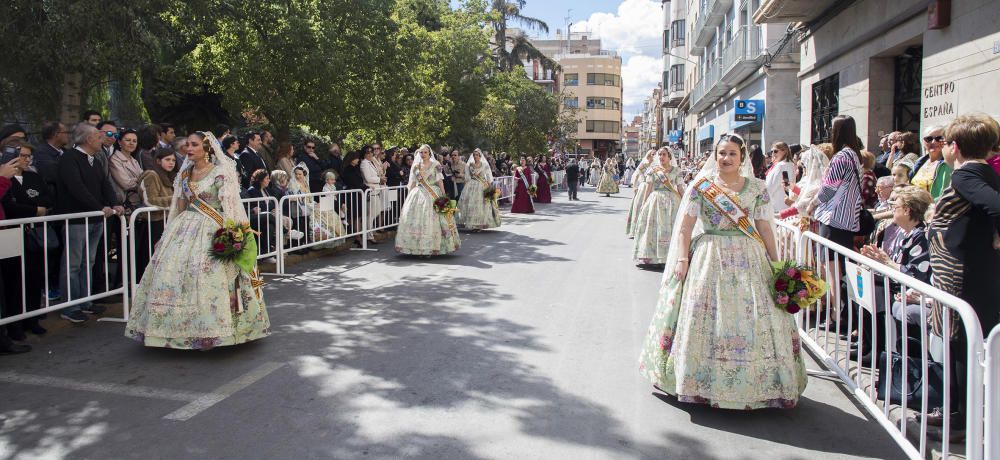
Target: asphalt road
column 524, row 344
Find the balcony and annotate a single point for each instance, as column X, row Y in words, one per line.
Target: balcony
column 780, row 11
column 708, row 88
column 673, row 95
column 739, row 59
column 712, row 13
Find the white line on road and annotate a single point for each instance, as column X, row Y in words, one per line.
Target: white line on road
column 99, row 387
column 208, row 400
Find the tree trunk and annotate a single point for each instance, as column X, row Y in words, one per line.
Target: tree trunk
column 69, row 106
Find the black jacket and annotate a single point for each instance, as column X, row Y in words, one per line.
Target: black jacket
column 572, row 173
column 352, row 177
column 393, row 175
column 46, row 163
column 82, row 187
column 25, row 197
column 316, row 168
column 250, row 161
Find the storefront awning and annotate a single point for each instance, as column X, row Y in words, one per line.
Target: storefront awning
column 706, row 132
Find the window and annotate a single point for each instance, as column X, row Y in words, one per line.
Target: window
column 677, row 39
column 571, row 79
column 571, row 102
column 603, row 79
column 612, row 103
column 825, row 103
column 666, row 38
column 676, row 78
column 602, row 126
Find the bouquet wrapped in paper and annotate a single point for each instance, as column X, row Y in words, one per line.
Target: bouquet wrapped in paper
column 443, row 205
column 795, row 286
column 235, row 242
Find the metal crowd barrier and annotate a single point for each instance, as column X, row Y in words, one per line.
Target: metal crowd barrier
column 506, row 186
column 857, row 285
column 991, row 389
column 787, row 238
column 389, row 200
column 317, row 215
column 31, row 241
column 559, row 180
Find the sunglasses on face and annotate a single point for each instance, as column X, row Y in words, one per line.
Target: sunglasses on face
column 930, row 139
column 110, row 133
column 310, row 147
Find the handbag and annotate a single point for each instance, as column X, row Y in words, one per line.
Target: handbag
column 866, row 223
column 915, row 382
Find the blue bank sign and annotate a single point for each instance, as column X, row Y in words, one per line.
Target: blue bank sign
column 674, row 135
column 749, row 110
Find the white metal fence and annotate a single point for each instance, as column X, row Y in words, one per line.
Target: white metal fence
column 324, row 219
column 873, row 330
column 506, row 186
column 59, row 253
column 991, row 401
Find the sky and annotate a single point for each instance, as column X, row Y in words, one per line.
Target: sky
column 633, row 28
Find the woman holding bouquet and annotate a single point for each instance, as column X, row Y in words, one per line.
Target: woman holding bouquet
column 427, row 223
column 524, row 187
column 608, row 184
column 190, row 298
column 655, row 223
column 477, row 206
column 717, row 336
column 544, row 172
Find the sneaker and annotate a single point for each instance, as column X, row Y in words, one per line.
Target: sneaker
column 74, row 317
column 94, row 309
column 295, row 235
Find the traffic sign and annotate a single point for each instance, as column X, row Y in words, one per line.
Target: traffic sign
column 749, row 110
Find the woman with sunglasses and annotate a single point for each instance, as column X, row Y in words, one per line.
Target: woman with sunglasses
column 780, row 176
column 932, row 172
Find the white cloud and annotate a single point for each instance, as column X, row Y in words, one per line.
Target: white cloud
column 635, row 31
column 637, row 28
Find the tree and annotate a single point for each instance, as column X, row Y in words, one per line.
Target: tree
column 56, row 52
column 517, row 115
column 520, row 46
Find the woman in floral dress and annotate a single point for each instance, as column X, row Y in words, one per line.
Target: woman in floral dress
column 476, row 211
column 717, row 337
column 422, row 230
column 187, row 298
column 608, row 184
column 642, row 190
column 655, row 223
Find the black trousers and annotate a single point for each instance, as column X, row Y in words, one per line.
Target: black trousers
column 572, row 189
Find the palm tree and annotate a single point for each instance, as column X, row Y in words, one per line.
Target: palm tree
column 520, row 47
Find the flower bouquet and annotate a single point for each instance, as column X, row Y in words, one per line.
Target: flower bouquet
column 236, row 243
column 795, row 286
column 533, row 191
column 443, row 205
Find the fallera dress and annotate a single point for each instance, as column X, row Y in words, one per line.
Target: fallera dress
column 608, row 184
column 654, row 226
column 544, row 186
column 716, row 337
column 186, row 298
column 522, row 200
column 595, row 174
column 422, row 230
column 476, row 211
column 642, row 190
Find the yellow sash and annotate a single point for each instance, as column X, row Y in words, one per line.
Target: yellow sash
column 448, row 216
column 728, row 206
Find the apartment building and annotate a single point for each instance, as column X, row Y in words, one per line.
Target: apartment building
column 735, row 59
column 676, row 65
column 630, row 138
column 894, row 66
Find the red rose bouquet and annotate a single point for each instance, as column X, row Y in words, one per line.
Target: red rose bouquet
column 533, row 191
column 443, row 205
column 235, row 242
column 795, row 287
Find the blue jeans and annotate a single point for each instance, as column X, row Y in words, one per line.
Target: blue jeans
column 82, row 239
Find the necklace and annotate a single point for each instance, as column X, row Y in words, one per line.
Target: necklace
column 730, row 185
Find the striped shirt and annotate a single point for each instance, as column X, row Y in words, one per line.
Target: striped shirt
column 840, row 196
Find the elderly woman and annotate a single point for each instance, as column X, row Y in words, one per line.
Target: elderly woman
column 932, row 172
column 911, row 255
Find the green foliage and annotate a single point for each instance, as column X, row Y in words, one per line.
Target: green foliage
column 518, row 115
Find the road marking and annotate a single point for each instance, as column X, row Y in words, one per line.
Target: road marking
column 220, row 394
column 98, row 387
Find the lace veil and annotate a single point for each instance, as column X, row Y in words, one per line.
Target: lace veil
column 418, row 159
column 471, row 162
column 710, row 170
column 229, row 194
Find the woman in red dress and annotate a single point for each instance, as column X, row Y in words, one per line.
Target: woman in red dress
column 544, row 171
column 523, row 179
